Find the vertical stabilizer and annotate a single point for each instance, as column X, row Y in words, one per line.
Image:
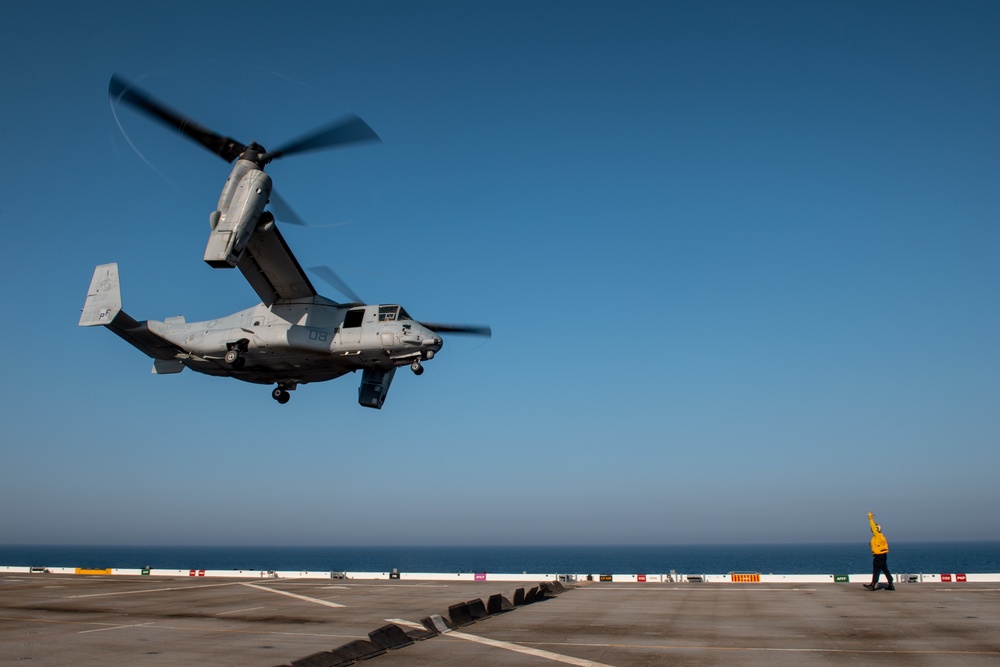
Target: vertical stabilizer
column 104, row 308
column 104, row 298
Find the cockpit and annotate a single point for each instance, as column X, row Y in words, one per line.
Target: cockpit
column 392, row 314
column 355, row 317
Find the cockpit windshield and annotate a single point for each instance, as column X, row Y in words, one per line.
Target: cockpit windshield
column 392, row 314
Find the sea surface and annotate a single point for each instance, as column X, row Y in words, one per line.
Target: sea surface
column 909, row 558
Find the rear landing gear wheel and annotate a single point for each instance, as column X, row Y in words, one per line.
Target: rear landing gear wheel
column 280, row 395
column 417, row 368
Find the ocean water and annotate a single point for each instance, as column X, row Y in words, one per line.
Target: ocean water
column 912, row 558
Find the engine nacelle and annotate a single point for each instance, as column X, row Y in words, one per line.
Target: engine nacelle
column 374, row 387
column 240, row 209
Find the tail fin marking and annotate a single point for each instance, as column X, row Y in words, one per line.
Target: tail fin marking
column 104, row 298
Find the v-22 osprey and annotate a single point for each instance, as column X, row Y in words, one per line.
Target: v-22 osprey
column 294, row 336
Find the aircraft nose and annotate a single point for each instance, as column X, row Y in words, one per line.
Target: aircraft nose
column 423, row 338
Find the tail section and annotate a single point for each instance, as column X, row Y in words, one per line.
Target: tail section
column 104, row 298
column 104, row 308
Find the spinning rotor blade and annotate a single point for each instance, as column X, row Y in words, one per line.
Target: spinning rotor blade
column 469, row 329
column 332, row 279
column 225, row 147
column 345, row 131
column 282, row 211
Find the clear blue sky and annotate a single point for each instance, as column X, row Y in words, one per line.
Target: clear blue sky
column 740, row 260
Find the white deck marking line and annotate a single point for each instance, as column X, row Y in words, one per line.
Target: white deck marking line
column 183, row 628
column 292, row 595
column 772, row 649
column 148, row 590
column 116, row 627
column 517, row 648
column 236, row 611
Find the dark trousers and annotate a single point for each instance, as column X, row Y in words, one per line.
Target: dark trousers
column 879, row 566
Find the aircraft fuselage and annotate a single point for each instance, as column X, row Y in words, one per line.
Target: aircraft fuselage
column 294, row 342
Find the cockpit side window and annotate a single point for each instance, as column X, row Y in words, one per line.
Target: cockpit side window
column 354, row 318
column 387, row 313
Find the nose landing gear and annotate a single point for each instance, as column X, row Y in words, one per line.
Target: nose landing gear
column 416, row 367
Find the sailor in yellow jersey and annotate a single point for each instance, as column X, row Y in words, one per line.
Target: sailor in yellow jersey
column 880, row 553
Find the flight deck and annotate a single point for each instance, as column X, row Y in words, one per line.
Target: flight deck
column 68, row 619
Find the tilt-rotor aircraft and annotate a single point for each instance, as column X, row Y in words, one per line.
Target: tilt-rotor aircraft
column 294, row 336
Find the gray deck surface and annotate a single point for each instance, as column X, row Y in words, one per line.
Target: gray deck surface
column 48, row 619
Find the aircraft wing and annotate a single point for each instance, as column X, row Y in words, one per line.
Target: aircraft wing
column 271, row 269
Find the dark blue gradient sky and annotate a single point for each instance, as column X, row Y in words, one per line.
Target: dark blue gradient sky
column 740, row 261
